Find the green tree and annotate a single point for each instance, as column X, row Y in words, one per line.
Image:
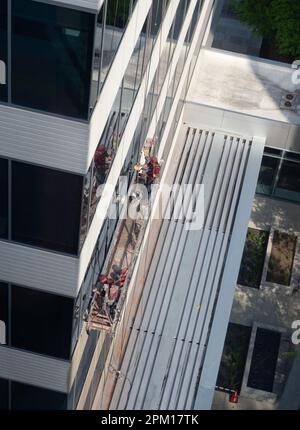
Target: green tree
column 276, row 20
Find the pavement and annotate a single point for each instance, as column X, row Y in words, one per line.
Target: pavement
column 273, row 306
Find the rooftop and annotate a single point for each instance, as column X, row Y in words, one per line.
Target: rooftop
column 244, row 84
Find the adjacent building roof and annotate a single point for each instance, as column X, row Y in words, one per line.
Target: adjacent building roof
column 245, row 84
column 176, row 341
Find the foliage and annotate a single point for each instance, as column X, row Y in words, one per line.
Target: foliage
column 276, row 20
column 289, row 354
column 253, row 258
column 282, row 258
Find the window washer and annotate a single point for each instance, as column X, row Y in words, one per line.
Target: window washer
column 102, row 160
column 153, row 170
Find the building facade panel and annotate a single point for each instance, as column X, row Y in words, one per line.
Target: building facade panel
column 35, row 268
column 34, row 369
column 128, row 134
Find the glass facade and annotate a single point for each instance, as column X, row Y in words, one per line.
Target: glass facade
column 3, row 50
column 124, row 101
column 66, row 54
column 4, row 400
column 37, row 321
column 17, row 396
column 3, row 312
column 51, row 58
column 42, row 207
column 267, row 175
column 45, row 207
column 279, row 175
column 3, row 198
column 288, row 185
column 111, row 24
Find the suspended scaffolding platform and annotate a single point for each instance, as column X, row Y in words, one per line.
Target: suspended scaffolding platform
column 104, row 301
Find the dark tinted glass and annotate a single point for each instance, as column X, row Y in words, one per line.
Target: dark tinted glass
column 273, row 151
column 51, row 57
column 288, row 186
column 3, row 312
column 27, row 397
column 289, row 177
column 3, row 198
column 264, row 360
column 267, row 175
column 3, row 394
column 41, row 322
column 3, row 50
column 45, row 207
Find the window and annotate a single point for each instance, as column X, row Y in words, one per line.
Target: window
column 279, row 175
column 3, row 198
column 3, row 313
column 46, row 207
column 117, row 15
column 4, row 394
column 267, row 175
column 3, row 50
column 28, row 397
column 51, row 57
column 288, row 185
column 41, row 322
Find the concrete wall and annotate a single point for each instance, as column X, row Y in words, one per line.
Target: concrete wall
column 278, row 134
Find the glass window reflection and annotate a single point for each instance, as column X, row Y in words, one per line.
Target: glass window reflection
column 51, row 57
column 3, row 50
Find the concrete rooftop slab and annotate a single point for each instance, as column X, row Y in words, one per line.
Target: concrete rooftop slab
column 243, row 84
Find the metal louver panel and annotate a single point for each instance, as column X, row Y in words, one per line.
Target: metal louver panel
column 175, row 346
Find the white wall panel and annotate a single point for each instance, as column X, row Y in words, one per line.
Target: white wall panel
column 34, row 369
column 35, row 268
column 277, row 134
column 88, row 5
column 43, row 139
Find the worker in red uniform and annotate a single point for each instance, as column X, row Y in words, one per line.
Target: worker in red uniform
column 153, row 170
column 149, row 171
column 101, row 160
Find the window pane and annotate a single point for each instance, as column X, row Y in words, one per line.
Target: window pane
column 3, row 394
column 117, row 15
column 41, row 322
column 3, row 198
column 51, row 57
column 45, row 207
column 288, row 186
column 3, row 49
column 3, row 313
column 267, row 175
column 28, row 397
